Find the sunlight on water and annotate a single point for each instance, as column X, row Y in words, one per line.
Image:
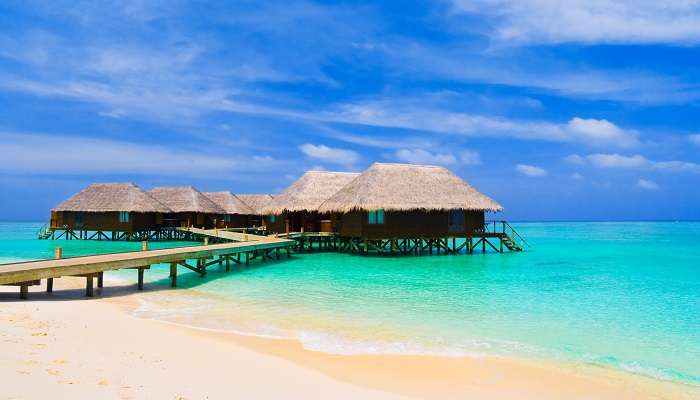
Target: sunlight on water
column 625, row 295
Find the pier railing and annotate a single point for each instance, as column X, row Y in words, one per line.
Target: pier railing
column 505, row 228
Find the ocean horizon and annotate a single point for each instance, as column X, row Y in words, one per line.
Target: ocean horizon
column 616, row 294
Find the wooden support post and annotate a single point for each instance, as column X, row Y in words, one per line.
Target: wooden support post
column 100, row 279
column 88, row 285
column 277, row 253
column 247, row 258
column 264, row 255
column 202, row 266
column 173, row 274
column 228, row 263
column 140, row 283
column 57, row 253
column 24, row 291
column 144, row 245
column 454, row 246
column 289, row 255
column 206, row 241
column 483, row 245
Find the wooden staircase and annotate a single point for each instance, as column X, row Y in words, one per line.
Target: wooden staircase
column 510, row 243
column 44, row 233
column 509, row 237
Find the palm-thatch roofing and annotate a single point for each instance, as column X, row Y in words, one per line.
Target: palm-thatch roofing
column 112, row 197
column 309, row 191
column 256, row 201
column 185, row 199
column 404, row 187
column 230, row 203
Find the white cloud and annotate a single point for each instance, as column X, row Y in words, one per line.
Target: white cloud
column 676, row 166
column 695, row 139
column 647, row 184
column 330, row 154
column 536, row 72
column 422, row 156
column 418, row 115
column 575, row 159
column 36, row 154
column 586, row 21
column 614, row 160
column 469, row 157
column 530, row 170
column 601, row 132
column 617, row 161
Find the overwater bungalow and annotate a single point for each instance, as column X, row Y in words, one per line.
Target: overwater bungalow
column 296, row 209
column 106, row 211
column 237, row 212
column 256, row 202
column 392, row 202
column 189, row 207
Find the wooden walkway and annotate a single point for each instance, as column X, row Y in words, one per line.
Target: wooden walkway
column 25, row 274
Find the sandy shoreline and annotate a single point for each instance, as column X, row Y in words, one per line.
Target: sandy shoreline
column 65, row 346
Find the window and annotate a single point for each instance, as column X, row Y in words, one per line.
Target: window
column 375, row 217
column 273, row 219
column 123, row 216
column 227, row 217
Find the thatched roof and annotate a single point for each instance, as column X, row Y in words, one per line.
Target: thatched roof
column 256, row 201
column 230, row 203
column 403, row 187
column 309, row 191
column 185, row 199
column 112, row 197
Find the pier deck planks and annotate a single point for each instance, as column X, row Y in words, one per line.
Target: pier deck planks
column 35, row 270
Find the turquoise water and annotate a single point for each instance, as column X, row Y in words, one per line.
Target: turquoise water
column 622, row 295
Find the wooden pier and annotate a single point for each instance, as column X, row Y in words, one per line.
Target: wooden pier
column 26, row 274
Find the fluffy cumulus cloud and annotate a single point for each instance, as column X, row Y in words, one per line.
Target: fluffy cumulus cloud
column 421, row 156
column 601, row 132
column 647, row 184
column 588, row 21
column 637, row 161
column 530, row 170
column 330, row 154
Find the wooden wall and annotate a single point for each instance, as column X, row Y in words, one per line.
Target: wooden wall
column 105, row 221
column 310, row 221
column 407, row 224
column 109, row 221
column 235, row 221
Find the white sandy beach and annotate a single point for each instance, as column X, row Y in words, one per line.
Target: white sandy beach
column 66, row 346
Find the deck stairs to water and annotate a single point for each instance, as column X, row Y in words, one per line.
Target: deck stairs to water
column 510, row 244
column 510, row 238
column 44, row 232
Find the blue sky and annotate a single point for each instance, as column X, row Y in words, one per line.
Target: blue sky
column 559, row 110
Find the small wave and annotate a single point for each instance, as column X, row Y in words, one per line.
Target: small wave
column 190, row 315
